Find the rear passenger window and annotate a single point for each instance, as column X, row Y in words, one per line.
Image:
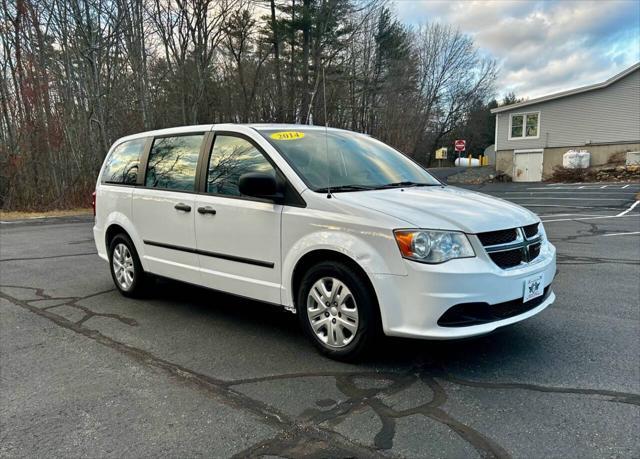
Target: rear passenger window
column 230, row 158
column 122, row 165
column 172, row 162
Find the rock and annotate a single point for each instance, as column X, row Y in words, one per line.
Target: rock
column 606, row 173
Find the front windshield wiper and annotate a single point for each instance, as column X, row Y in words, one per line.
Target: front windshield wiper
column 339, row 188
column 404, row 184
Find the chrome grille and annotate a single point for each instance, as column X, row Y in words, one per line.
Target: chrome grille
column 498, row 237
column 512, row 247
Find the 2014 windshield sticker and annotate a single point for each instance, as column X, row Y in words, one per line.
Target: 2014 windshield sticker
column 287, row 135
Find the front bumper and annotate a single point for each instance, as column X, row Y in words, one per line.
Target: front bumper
column 411, row 305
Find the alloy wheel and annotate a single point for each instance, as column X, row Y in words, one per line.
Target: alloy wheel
column 122, row 265
column 332, row 312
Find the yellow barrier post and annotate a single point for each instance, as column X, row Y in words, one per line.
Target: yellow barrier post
column 481, row 158
column 469, row 160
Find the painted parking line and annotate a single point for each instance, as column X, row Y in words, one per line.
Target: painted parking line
column 572, row 215
column 597, row 183
column 568, row 206
column 568, row 199
column 633, row 206
column 581, row 189
column 573, row 190
column 590, row 218
column 621, row 234
column 587, row 183
column 584, row 187
column 581, row 193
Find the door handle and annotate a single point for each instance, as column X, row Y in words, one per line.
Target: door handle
column 183, row 207
column 206, row 210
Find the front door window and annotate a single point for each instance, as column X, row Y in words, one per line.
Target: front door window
column 230, row 158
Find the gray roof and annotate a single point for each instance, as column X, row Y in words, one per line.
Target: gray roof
column 571, row 92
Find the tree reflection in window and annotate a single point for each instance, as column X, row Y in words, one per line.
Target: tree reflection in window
column 230, row 158
column 122, row 165
column 172, row 162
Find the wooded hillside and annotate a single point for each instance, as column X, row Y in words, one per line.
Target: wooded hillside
column 78, row 74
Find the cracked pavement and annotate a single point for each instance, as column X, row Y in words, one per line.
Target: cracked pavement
column 191, row 372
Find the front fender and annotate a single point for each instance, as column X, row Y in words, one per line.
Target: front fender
column 371, row 259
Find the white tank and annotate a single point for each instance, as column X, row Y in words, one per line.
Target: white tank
column 632, row 158
column 570, row 160
column 464, row 162
column 584, row 159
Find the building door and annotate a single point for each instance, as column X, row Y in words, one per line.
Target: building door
column 527, row 165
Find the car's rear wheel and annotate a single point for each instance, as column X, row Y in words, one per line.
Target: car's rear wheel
column 338, row 310
column 126, row 269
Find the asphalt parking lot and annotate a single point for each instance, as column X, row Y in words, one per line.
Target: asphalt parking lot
column 189, row 372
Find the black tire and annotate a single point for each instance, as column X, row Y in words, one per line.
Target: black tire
column 137, row 287
column 368, row 328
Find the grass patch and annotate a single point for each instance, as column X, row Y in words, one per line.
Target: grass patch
column 19, row 215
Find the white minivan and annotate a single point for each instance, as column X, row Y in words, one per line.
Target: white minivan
column 345, row 231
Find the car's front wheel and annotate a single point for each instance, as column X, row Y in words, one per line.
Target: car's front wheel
column 338, row 310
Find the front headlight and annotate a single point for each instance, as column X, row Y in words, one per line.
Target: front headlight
column 432, row 246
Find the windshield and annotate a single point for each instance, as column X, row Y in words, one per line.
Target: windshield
column 345, row 161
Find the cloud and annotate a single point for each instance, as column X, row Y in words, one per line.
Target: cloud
column 542, row 46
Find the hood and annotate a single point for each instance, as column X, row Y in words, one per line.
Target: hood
column 447, row 208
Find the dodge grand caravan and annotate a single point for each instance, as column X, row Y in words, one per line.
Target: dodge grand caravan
column 335, row 226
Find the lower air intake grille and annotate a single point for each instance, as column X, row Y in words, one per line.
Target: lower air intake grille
column 467, row 314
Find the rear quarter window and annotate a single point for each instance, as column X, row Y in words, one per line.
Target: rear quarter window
column 122, row 164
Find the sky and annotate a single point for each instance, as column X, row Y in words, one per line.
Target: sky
column 541, row 47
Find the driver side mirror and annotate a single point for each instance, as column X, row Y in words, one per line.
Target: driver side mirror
column 260, row 185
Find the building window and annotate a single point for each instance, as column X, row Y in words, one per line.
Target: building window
column 524, row 126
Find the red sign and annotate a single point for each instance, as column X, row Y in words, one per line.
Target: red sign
column 460, row 145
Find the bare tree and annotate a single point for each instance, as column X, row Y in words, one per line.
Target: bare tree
column 452, row 76
column 77, row 74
